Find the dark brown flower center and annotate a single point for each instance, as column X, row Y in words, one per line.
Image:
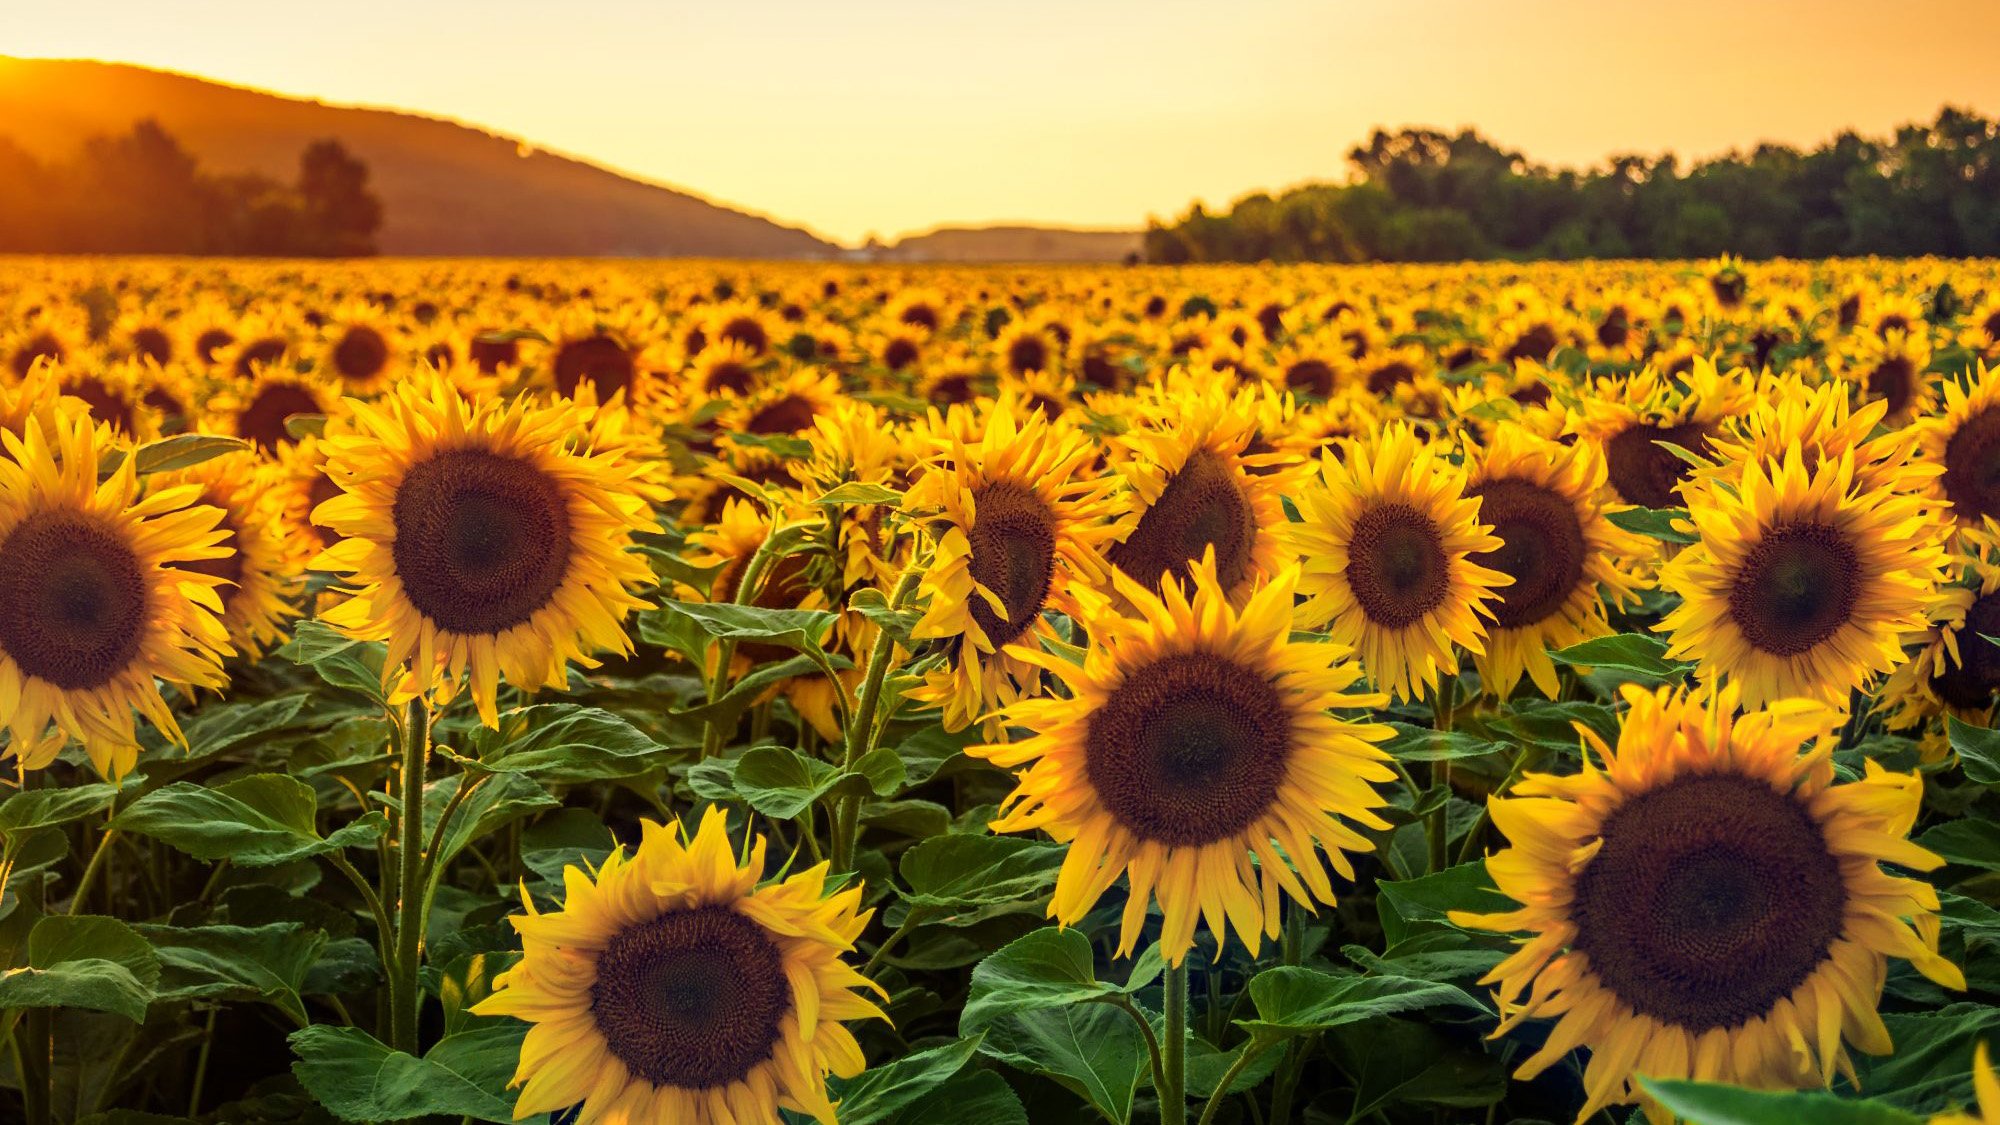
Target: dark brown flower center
column 747, row 331
column 1645, row 472
column 900, row 353
column 152, row 343
column 692, row 999
column 1541, row 548
column 73, row 599
column 1712, row 898
column 791, row 414
column 361, row 354
column 263, row 419
column 106, row 405
column 600, row 359
column 1396, row 565
column 1190, row 749
column 1310, row 376
column 1027, row 353
column 40, row 346
column 728, row 375
column 1972, row 466
column 259, row 353
column 1013, row 539
column 1536, row 344
column 1971, row 683
column 490, row 351
column 1389, row 376
column 1894, row 380
column 1796, row 588
column 210, row 342
column 482, row 540
column 1202, row 506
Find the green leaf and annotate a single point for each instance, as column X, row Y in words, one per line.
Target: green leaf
column 359, row 1078
column 347, row 664
column 1409, row 904
column 1422, row 744
column 183, row 451
column 29, row 809
column 782, row 783
column 1970, row 841
column 563, row 744
column 977, row 1097
column 1393, row 1061
column 956, row 873
column 1654, row 523
column 1638, row 657
column 1051, row 967
column 1712, row 1103
column 258, row 821
column 799, row 629
column 861, row 492
column 267, row 964
column 1094, row 1051
column 881, row 1092
column 1978, row 750
column 221, row 728
column 499, row 801
column 84, row 961
column 1294, row 1000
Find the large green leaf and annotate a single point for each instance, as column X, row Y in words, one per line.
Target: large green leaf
column 1971, row 841
column 1408, row 905
column 1295, row 1000
column 1655, row 523
column 803, row 630
column 1392, row 1061
column 1095, row 1051
column 1051, row 967
column 563, row 744
column 1711, row 1103
column 84, row 961
column 29, row 809
column 359, row 1078
column 256, row 821
column 1978, row 750
column 879, row 1093
column 955, row 873
column 1422, row 744
column 974, row 1097
column 255, row 963
column 349, row 665
column 1635, row 657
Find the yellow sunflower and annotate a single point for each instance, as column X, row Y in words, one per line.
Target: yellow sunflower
column 1704, row 902
column 1196, row 742
column 1387, row 545
column 674, row 988
column 479, row 541
column 1195, row 484
column 1954, row 671
column 96, row 605
column 262, row 573
column 1963, row 443
column 1891, row 367
column 1800, row 585
column 1015, row 519
column 257, row 411
column 1545, row 503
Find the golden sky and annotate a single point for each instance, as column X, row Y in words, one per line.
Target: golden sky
column 891, row 116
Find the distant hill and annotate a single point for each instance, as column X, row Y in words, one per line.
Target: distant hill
column 446, row 188
column 1014, row 244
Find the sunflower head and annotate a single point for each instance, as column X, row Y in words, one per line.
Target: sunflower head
column 677, row 985
column 1195, row 742
column 1702, row 901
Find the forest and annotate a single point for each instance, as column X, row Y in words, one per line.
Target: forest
column 1426, row 195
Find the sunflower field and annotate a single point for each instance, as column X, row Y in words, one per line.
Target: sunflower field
column 740, row 693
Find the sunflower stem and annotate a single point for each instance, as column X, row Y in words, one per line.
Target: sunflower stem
column 90, row 870
column 861, row 733
column 1438, row 829
column 410, row 842
column 1173, row 1048
column 1251, row 1050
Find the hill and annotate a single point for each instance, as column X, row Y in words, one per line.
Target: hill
column 1015, row 244
column 446, row 188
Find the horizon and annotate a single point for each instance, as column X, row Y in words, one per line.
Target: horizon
column 851, row 177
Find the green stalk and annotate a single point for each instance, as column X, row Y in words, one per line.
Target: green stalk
column 861, row 732
column 1173, row 1050
column 410, row 844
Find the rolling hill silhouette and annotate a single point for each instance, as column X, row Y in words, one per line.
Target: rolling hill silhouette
column 446, row 188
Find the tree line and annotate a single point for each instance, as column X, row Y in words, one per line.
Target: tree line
column 1427, row 195
column 143, row 193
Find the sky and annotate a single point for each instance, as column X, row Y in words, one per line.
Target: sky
column 858, row 117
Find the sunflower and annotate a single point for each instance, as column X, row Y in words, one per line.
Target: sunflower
column 1194, row 745
column 1544, row 501
column 788, row 406
column 1194, row 485
column 1014, row 520
column 95, row 604
column 1963, row 442
column 1026, row 347
column 726, row 370
column 361, row 349
column 478, row 540
column 1704, row 902
column 1639, row 420
column 1800, row 584
column 260, row 410
column 116, row 395
column 262, row 574
column 1387, row 542
column 1955, row 671
column 1891, row 366
column 674, row 988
